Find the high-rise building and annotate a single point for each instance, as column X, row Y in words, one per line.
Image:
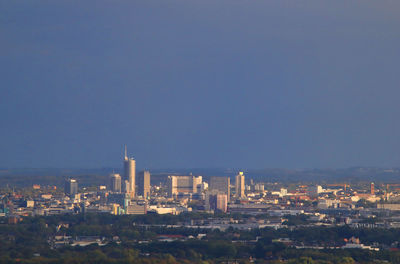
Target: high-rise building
column 115, row 182
column 216, row 201
column 129, row 174
column 197, row 183
column 221, row 185
column 222, row 202
column 144, row 184
column 239, row 184
column 71, row 187
column 183, row 184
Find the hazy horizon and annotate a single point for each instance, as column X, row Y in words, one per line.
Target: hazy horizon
column 234, row 170
column 240, row 84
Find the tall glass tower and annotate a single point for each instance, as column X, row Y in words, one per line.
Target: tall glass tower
column 129, row 174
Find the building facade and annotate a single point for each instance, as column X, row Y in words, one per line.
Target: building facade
column 115, row 180
column 183, row 184
column 71, row 187
column 221, row 185
column 129, row 175
column 216, row 202
column 239, row 185
column 144, row 184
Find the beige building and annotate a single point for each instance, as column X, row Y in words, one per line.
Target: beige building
column 184, row 184
column 216, row 201
column 129, row 175
column 115, row 180
column 136, row 209
column 144, row 184
column 222, row 202
column 239, row 185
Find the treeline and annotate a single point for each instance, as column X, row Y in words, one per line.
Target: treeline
column 196, row 252
column 130, row 226
column 27, row 242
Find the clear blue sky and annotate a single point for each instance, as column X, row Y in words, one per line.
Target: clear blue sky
column 238, row 83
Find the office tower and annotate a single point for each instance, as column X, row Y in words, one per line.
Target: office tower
column 129, row 174
column 221, row 185
column 239, row 184
column 222, row 202
column 144, row 184
column 372, row 188
column 115, row 182
column 216, row 202
column 183, row 184
column 197, row 183
column 71, row 187
column 171, row 185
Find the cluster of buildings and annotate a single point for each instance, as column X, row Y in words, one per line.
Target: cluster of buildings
column 132, row 193
column 322, row 204
column 126, row 185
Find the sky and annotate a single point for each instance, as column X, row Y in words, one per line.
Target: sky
column 200, row 84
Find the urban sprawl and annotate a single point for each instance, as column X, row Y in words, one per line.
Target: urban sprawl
column 268, row 204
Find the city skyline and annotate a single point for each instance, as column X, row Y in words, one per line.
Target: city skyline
column 228, row 131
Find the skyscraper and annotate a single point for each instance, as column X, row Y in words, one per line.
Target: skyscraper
column 221, row 185
column 71, row 187
column 216, row 201
column 115, row 182
column 144, row 183
column 222, row 203
column 129, row 174
column 239, row 184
